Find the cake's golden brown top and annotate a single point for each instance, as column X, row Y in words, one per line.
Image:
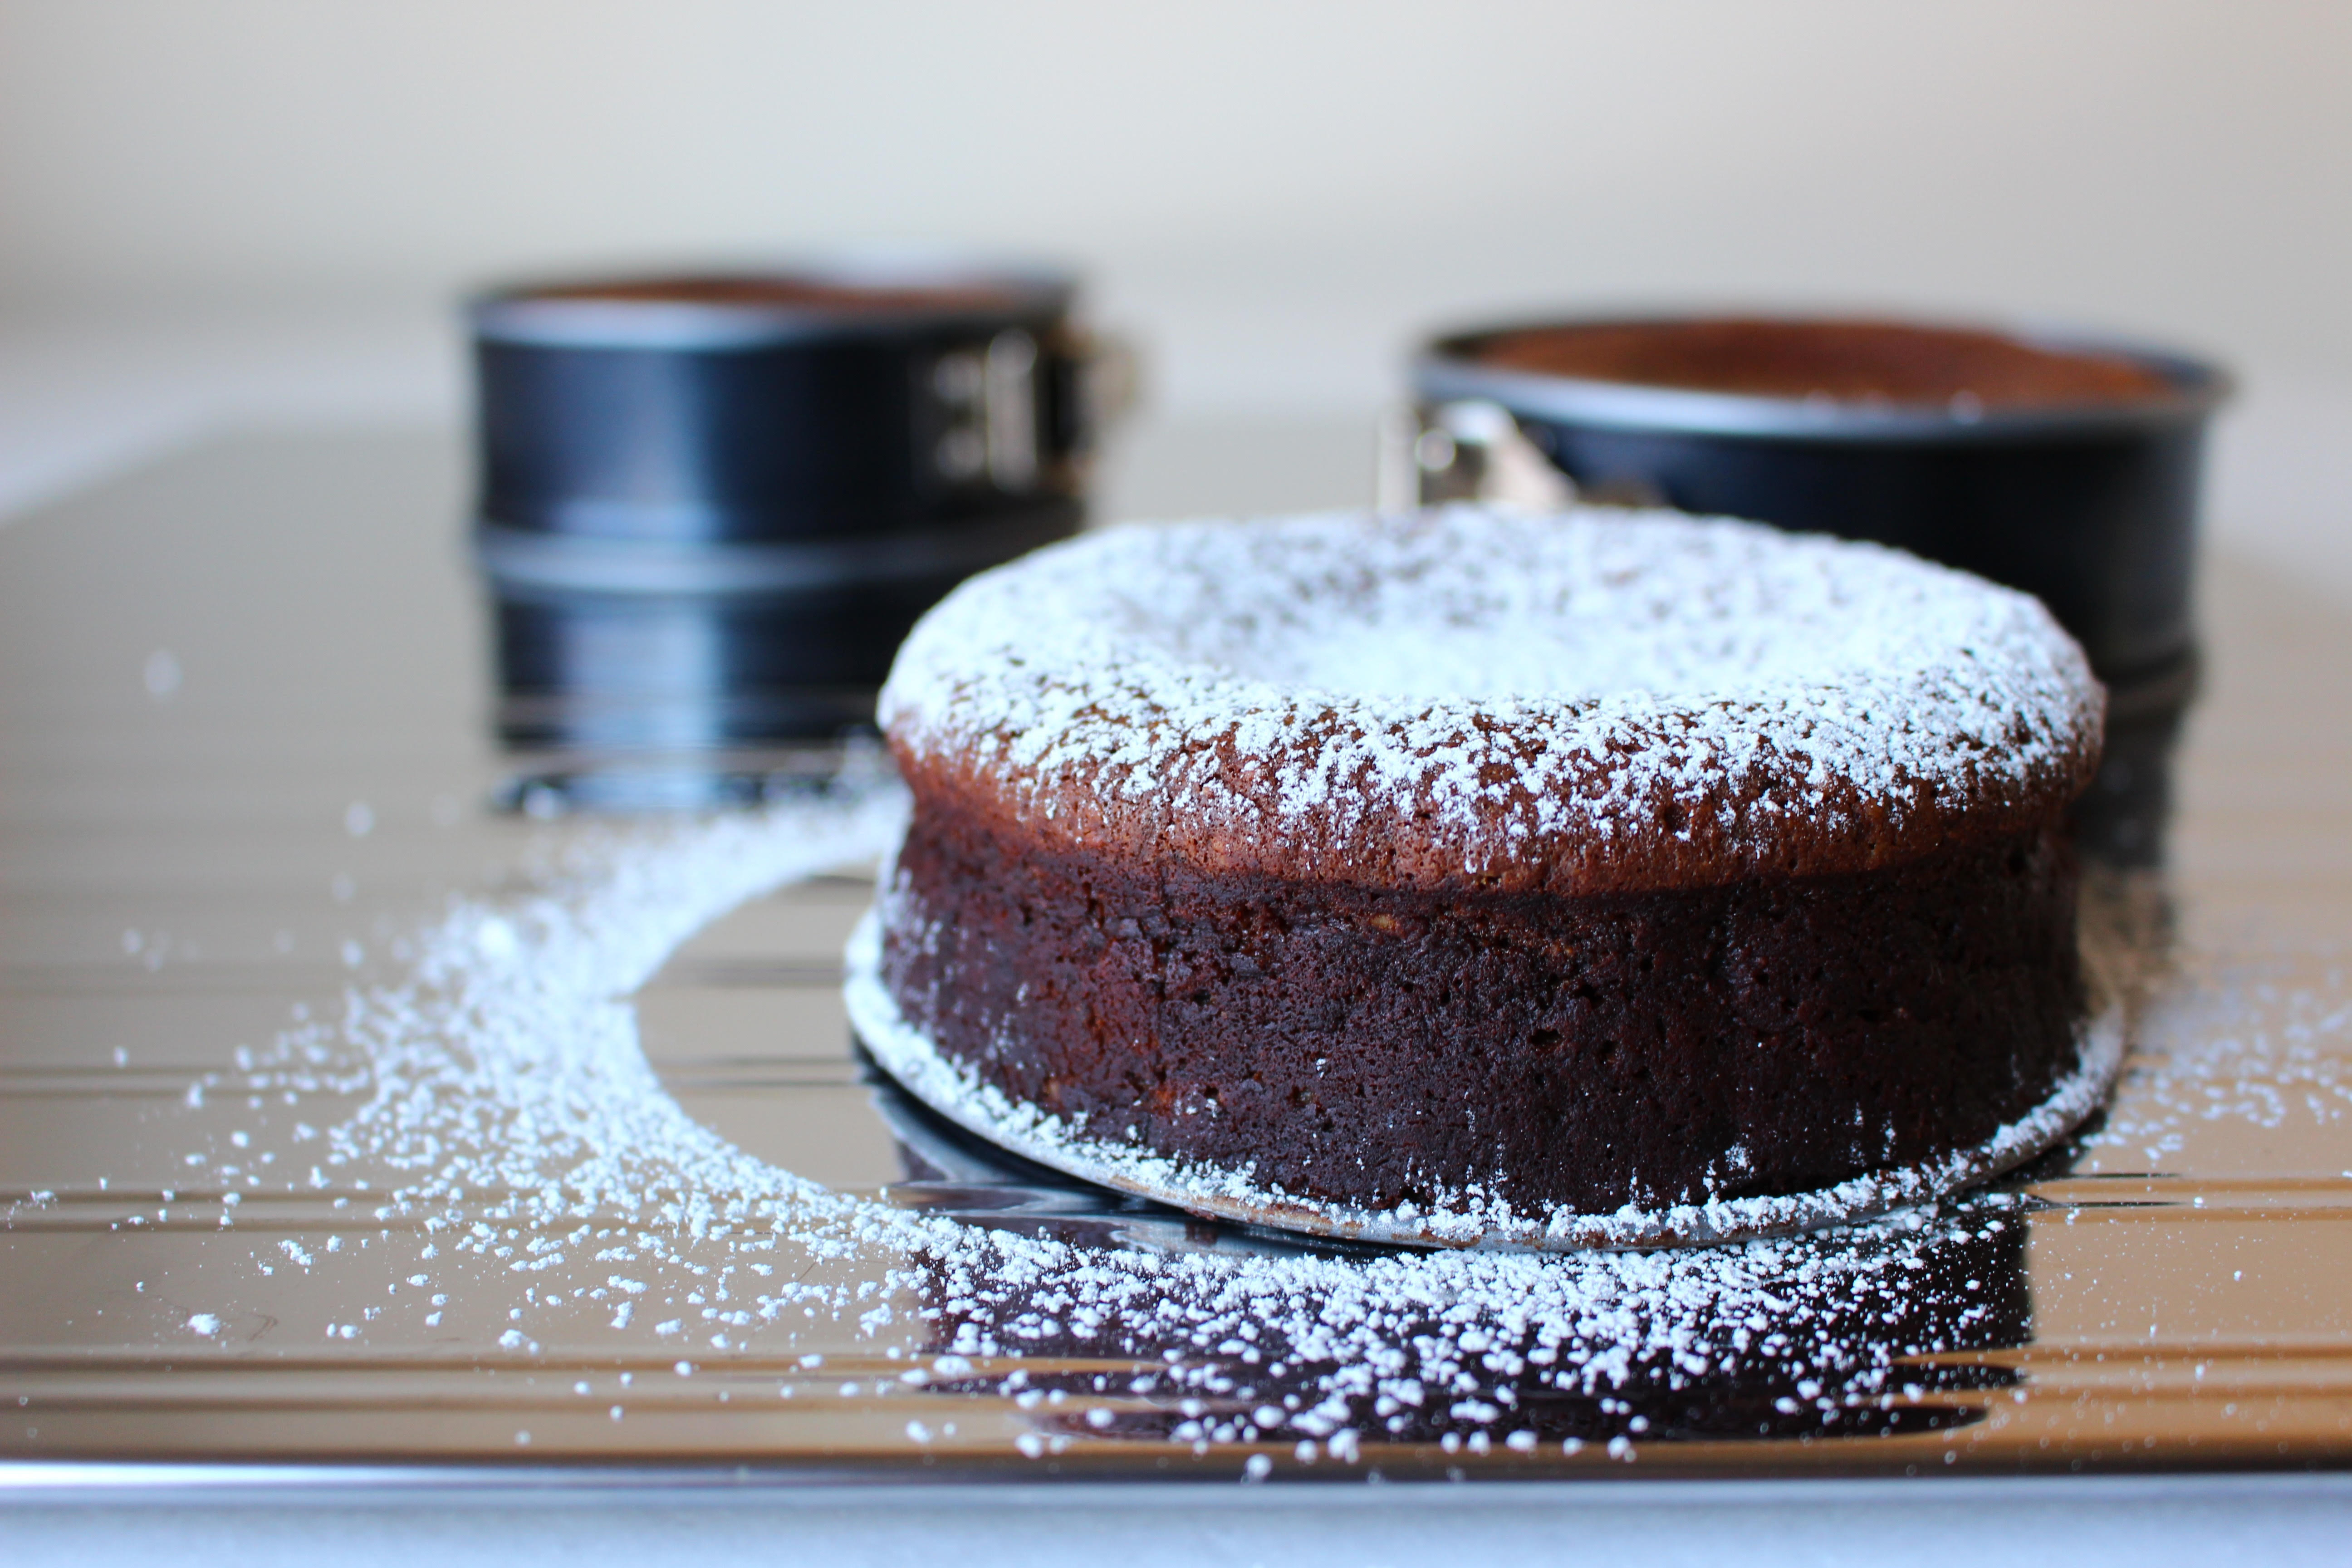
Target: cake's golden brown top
column 1592, row 702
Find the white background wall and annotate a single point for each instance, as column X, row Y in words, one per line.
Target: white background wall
column 1280, row 192
column 257, row 204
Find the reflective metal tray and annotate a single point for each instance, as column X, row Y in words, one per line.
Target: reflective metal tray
column 246, row 768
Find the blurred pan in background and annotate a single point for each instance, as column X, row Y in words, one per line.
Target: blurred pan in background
column 712, row 505
column 2062, row 464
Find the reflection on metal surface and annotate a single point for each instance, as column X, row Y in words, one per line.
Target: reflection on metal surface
column 202, row 880
column 1966, row 1291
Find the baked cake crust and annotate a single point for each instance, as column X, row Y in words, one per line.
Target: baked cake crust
column 1783, row 905
column 1212, row 694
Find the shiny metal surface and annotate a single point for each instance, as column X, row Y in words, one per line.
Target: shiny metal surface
column 245, row 760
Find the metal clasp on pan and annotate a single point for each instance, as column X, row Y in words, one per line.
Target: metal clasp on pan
column 991, row 401
column 1469, row 450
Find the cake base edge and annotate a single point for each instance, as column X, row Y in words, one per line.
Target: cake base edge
column 1469, row 1219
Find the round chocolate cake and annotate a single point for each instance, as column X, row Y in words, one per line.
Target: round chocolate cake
column 1482, row 865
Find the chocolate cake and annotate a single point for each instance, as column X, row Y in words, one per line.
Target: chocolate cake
column 1484, row 863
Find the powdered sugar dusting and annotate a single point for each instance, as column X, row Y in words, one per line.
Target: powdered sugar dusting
column 509, row 1120
column 1512, row 691
column 2248, row 1049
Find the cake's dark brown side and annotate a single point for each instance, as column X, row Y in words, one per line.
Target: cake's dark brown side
column 1382, row 1047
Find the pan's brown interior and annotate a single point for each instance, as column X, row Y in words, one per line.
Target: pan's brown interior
column 1862, row 361
column 782, row 291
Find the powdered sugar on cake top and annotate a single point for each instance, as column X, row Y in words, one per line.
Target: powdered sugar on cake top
column 1581, row 701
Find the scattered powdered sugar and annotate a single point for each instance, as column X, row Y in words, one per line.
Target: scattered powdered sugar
column 511, row 1061
column 1513, row 686
column 2247, row 1048
column 507, row 1117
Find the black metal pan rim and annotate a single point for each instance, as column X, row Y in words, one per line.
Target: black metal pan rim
column 1446, row 372
column 539, row 313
